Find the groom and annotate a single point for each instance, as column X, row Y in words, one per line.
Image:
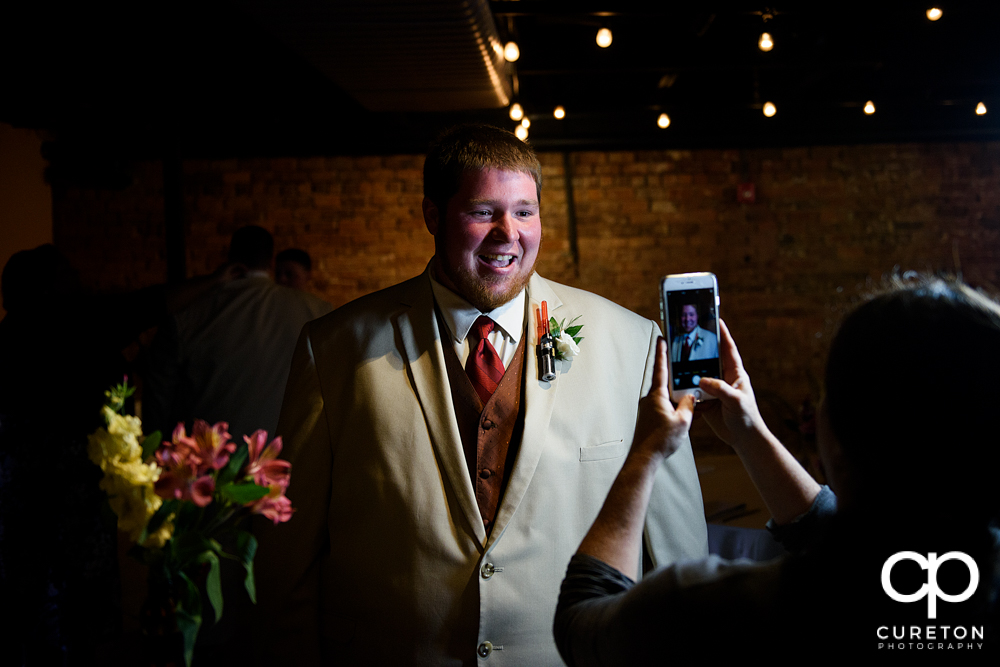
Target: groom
column 440, row 486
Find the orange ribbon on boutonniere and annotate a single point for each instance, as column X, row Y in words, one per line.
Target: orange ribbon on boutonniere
column 546, row 345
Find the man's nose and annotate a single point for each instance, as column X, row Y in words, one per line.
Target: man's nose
column 504, row 228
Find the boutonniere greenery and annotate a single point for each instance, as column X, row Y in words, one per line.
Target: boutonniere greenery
column 565, row 337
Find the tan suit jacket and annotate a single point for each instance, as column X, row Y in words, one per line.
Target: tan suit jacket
column 386, row 560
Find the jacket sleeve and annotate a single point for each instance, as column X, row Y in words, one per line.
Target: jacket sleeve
column 290, row 555
column 675, row 521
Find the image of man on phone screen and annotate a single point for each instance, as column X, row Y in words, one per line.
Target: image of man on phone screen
column 693, row 343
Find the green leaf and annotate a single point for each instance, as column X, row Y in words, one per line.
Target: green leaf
column 243, row 493
column 577, row 339
column 246, row 549
column 188, row 547
column 554, row 327
column 188, row 615
column 213, row 582
column 150, row 443
column 188, row 624
column 118, row 394
column 574, row 330
column 235, row 465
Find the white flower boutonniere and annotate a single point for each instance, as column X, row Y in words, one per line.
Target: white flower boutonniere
column 567, row 341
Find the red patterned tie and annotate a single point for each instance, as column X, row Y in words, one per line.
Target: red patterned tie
column 484, row 367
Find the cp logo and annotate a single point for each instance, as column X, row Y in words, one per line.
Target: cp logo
column 930, row 590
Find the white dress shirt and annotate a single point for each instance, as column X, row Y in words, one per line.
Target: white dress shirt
column 459, row 315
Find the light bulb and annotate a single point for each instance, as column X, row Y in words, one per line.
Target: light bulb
column 559, row 112
column 511, row 52
column 516, row 112
column 765, row 43
column 604, row 38
column 521, row 132
column 934, row 13
column 525, row 123
column 869, row 107
column 663, row 121
column 980, row 109
column 770, row 109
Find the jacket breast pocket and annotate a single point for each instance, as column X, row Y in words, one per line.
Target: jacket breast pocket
column 606, row 450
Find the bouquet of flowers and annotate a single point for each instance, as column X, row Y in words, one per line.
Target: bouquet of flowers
column 177, row 499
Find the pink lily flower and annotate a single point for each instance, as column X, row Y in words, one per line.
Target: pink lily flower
column 188, row 460
column 278, row 508
column 265, row 466
column 211, row 445
column 181, row 484
column 174, row 452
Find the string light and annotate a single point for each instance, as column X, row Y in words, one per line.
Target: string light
column 663, row 121
column 516, row 111
column 980, row 109
column 559, row 112
column 934, row 13
column 765, row 43
column 604, row 38
column 525, row 123
column 511, row 52
column 521, row 132
column 869, row 107
column 770, row 109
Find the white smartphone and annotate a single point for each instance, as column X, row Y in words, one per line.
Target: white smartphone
column 689, row 308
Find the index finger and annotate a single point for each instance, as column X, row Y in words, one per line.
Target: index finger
column 661, row 373
column 731, row 360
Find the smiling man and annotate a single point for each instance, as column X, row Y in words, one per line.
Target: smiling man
column 693, row 343
column 440, row 486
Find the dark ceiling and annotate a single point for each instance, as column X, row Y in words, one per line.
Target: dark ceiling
column 215, row 78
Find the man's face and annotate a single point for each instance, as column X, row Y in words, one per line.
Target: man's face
column 291, row 274
column 689, row 318
column 487, row 242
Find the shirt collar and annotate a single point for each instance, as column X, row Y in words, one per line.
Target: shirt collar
column 460, row 315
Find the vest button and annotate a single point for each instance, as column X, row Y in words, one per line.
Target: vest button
column 485, row 649
column 487, row 570
column 487, row 424
column 485, row 474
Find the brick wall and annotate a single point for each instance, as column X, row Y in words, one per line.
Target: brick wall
column 826, row 221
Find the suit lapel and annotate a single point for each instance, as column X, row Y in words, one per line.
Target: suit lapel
column 539, row 398
column 422, row 345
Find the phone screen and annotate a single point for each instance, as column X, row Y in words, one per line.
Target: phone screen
column 692, row 321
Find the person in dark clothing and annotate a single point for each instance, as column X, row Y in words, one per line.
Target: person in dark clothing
column 60, row 350
column 915, row 479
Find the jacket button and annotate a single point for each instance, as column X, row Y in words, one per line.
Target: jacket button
column 485, row 473
column 487, row 571
column 485, row 649
column 487, row 424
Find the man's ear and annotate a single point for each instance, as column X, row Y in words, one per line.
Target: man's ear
column 431, row 216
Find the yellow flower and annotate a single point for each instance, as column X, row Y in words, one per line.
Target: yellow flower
column 160, row 537
column 106, row 448
column 134, row 505
column 137, row 473
column 122, row 424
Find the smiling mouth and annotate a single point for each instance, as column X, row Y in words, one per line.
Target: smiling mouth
column 497, row 261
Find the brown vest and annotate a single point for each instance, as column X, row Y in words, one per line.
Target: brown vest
column 491, row 433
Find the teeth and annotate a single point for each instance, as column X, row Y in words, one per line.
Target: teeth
column 500, row 258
